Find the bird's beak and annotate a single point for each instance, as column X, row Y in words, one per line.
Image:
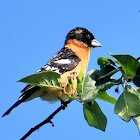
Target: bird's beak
column 95, row 43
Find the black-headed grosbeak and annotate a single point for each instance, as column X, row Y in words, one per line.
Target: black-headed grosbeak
column 72, row 58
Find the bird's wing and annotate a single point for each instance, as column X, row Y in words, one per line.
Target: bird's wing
column 65, row 60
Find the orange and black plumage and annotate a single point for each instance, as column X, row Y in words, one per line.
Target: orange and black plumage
column 72, row 58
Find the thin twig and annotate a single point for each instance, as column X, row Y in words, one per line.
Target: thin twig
column 48, row 120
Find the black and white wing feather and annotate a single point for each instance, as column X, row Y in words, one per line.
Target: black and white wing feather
column 65, row 60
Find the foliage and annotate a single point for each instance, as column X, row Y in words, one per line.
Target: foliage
column 45, row 78
column 95, row 85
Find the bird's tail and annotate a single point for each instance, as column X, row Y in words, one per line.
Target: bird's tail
column 24, row 97
column 12, row 107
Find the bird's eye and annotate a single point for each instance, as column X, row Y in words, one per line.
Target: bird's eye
column 88, row 36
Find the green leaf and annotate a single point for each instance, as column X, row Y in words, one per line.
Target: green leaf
column 117, row 62
column 106, row 71
column 136, row 79
column 121, row 108
column 95, row 116
column 106, row 83
column 132, row 99
column 128, row 104
column 104, row 80
column 105, row 97
column 89, row 87
column 137, row 121
column 138, row 90
column 43, row 79
column 128, row 63
column 92, row 86
column 102, row 61
column 109, row 73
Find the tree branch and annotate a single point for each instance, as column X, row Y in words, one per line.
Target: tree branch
column 48, row 120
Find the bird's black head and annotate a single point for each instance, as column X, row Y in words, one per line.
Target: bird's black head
column 83, row 35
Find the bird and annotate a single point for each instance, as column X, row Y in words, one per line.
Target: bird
column 70, row 60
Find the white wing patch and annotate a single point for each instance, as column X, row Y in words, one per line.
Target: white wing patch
column 63, row 61
column 48, row 68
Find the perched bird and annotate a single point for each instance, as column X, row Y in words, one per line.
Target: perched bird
column 71, row 59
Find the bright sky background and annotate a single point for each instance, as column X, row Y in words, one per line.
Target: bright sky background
column 31, row 32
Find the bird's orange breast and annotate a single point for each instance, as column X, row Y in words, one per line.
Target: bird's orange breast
column 83, row 52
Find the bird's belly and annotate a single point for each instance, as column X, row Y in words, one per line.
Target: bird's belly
column 53, row 94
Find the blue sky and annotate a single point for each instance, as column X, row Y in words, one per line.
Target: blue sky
column 31, row 32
